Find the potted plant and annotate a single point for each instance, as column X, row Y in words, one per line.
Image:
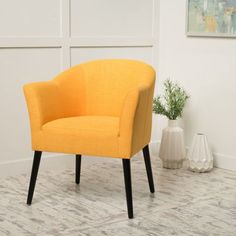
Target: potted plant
column 171, row 105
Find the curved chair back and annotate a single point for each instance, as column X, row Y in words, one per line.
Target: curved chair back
column 99, row 87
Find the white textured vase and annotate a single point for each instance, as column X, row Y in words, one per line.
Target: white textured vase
column 199, row 155
column 172, row 149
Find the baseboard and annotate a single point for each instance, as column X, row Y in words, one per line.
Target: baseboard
column 220, row 160
column 224, row 161
column 60, row 162
column 50, row 161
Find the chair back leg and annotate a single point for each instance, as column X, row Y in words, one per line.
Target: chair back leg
column 34, row 173
column 77, row 168
column 148, row 165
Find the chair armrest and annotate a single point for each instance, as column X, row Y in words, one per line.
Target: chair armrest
column 128, row 113
column 44, row 103
column 135, row 120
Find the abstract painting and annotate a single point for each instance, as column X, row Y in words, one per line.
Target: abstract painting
column 215, row 18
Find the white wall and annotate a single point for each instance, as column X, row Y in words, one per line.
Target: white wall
column 40, row 38
column 206, row 67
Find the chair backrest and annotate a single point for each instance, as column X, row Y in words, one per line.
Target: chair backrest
column 99, row 87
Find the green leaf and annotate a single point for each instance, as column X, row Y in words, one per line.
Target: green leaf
column 172, row 103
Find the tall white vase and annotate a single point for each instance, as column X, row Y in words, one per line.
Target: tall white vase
column 172, row 148
column 199, row 155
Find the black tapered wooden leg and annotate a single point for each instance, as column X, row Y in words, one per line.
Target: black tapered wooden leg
column 77, row 168
column 128, row 186
column 148, row 165
column 34, row 173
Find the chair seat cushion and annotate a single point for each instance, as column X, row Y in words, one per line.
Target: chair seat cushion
column 83, row 124
column 82, row 135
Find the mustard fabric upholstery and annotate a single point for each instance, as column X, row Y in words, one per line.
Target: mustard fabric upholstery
column 101, row 108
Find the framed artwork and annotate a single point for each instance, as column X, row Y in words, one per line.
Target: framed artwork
column 211, row 18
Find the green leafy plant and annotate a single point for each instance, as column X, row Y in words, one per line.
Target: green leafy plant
column 172, row 103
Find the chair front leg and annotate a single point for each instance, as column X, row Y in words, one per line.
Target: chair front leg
column 148, row 165
column 77, row 168
column 34, row 173
column 128, row 186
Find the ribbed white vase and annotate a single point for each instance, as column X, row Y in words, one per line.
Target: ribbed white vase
column 172, row 148
column 199, row 155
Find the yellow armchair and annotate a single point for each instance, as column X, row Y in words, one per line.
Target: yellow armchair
column 101, row 108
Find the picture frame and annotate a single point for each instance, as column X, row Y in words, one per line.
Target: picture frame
column 211, row 18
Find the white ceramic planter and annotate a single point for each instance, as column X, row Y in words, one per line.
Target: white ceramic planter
column 172, row 148
column 199, row 155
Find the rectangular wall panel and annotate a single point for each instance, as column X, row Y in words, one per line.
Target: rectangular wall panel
column 18, row 67
column 79, row 55
column 122, row 18
column 29, row 18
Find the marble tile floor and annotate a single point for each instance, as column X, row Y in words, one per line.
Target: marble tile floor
column 185, row 203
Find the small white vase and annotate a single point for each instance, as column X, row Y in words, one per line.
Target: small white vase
column 172, row 148
column 199, row 155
